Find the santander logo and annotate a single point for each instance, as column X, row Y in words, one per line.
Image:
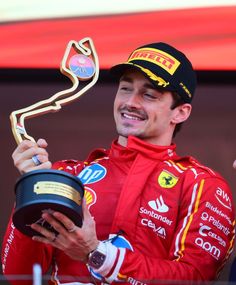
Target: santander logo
column 159, row 205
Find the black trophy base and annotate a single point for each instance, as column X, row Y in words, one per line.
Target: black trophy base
column 46, row 191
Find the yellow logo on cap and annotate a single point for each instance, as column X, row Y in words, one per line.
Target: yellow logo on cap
column 160, row 81
column 158, row 57
column 167, row 179
column 185, row 89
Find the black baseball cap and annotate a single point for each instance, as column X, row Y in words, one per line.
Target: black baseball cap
column 165, row 66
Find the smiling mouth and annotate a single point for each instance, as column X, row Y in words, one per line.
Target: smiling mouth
column 132, row 117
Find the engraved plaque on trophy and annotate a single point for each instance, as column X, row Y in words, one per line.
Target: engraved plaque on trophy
column 54, row 190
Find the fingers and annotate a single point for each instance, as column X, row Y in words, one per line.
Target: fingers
column 69, row 226
column 58, row 223
column 42, row 143
column 73, row 241
column 64, row 225
column 234, row 164
column 22, row 156
column 46, row 236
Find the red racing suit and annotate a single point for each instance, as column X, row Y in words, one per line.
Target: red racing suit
column 174, row 219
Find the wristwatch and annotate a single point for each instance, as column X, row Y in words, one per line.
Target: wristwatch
column 97, row 257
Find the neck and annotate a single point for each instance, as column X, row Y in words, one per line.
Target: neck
column 165, row 142
column 122, row 141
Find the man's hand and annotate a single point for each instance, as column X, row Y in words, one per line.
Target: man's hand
column 76, row 242
column 22, row 156
column 234, row 164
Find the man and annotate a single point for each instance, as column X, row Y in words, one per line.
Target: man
column 155, row 215
column 232, row 274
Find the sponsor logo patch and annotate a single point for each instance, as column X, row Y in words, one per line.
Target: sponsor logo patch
column 160, row 231
column 158, row 205
column 205, row 230
column 92, row 173
column 156, row 216
column 223, row 198
column 208, row 247
column 216, row 223
column 219, row 212
column 89, row 196
column 196, row 174
column 158, row 57
column 135, row 282
column 167, row 179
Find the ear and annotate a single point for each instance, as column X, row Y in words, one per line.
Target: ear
column 181, row 113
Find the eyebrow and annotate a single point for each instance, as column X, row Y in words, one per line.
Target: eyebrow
column 130, row 80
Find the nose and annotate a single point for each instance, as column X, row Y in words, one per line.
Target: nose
column 134, row 100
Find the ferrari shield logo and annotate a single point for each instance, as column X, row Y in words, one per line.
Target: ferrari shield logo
column 167, row 179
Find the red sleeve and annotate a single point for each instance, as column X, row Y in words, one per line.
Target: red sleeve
column 20, row 253
column 202, row 243
column 75, row 166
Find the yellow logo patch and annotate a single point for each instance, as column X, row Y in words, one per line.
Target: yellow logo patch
column 158, row 57
column 160, row 81
column 89, row 196
column 167, row 179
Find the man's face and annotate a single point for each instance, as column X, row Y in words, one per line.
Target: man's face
column 143, row 111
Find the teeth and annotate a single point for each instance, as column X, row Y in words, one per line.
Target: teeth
column 131, row 117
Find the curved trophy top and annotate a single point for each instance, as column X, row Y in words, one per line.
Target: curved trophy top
column 83, row 65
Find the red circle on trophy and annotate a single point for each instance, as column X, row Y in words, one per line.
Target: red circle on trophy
column 82, row 66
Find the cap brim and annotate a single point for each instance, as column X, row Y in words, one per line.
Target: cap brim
column 118, row 70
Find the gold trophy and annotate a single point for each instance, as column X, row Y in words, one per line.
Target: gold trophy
column 41, row 191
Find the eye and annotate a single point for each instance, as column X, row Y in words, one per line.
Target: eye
column 125, row 88
column 150, row 96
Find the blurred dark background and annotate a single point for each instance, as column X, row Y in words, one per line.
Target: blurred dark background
column 209, row 134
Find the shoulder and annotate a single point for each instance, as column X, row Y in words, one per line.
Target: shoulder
column 68, row 165
column 74, row 166
column 190, row 166
column 198, row 180
column 210, row 181
column 189, row 171
column 97, row 154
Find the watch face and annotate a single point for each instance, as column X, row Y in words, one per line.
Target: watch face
column 96, row 259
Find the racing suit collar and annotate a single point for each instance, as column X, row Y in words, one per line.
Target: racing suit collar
column 136, row 145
